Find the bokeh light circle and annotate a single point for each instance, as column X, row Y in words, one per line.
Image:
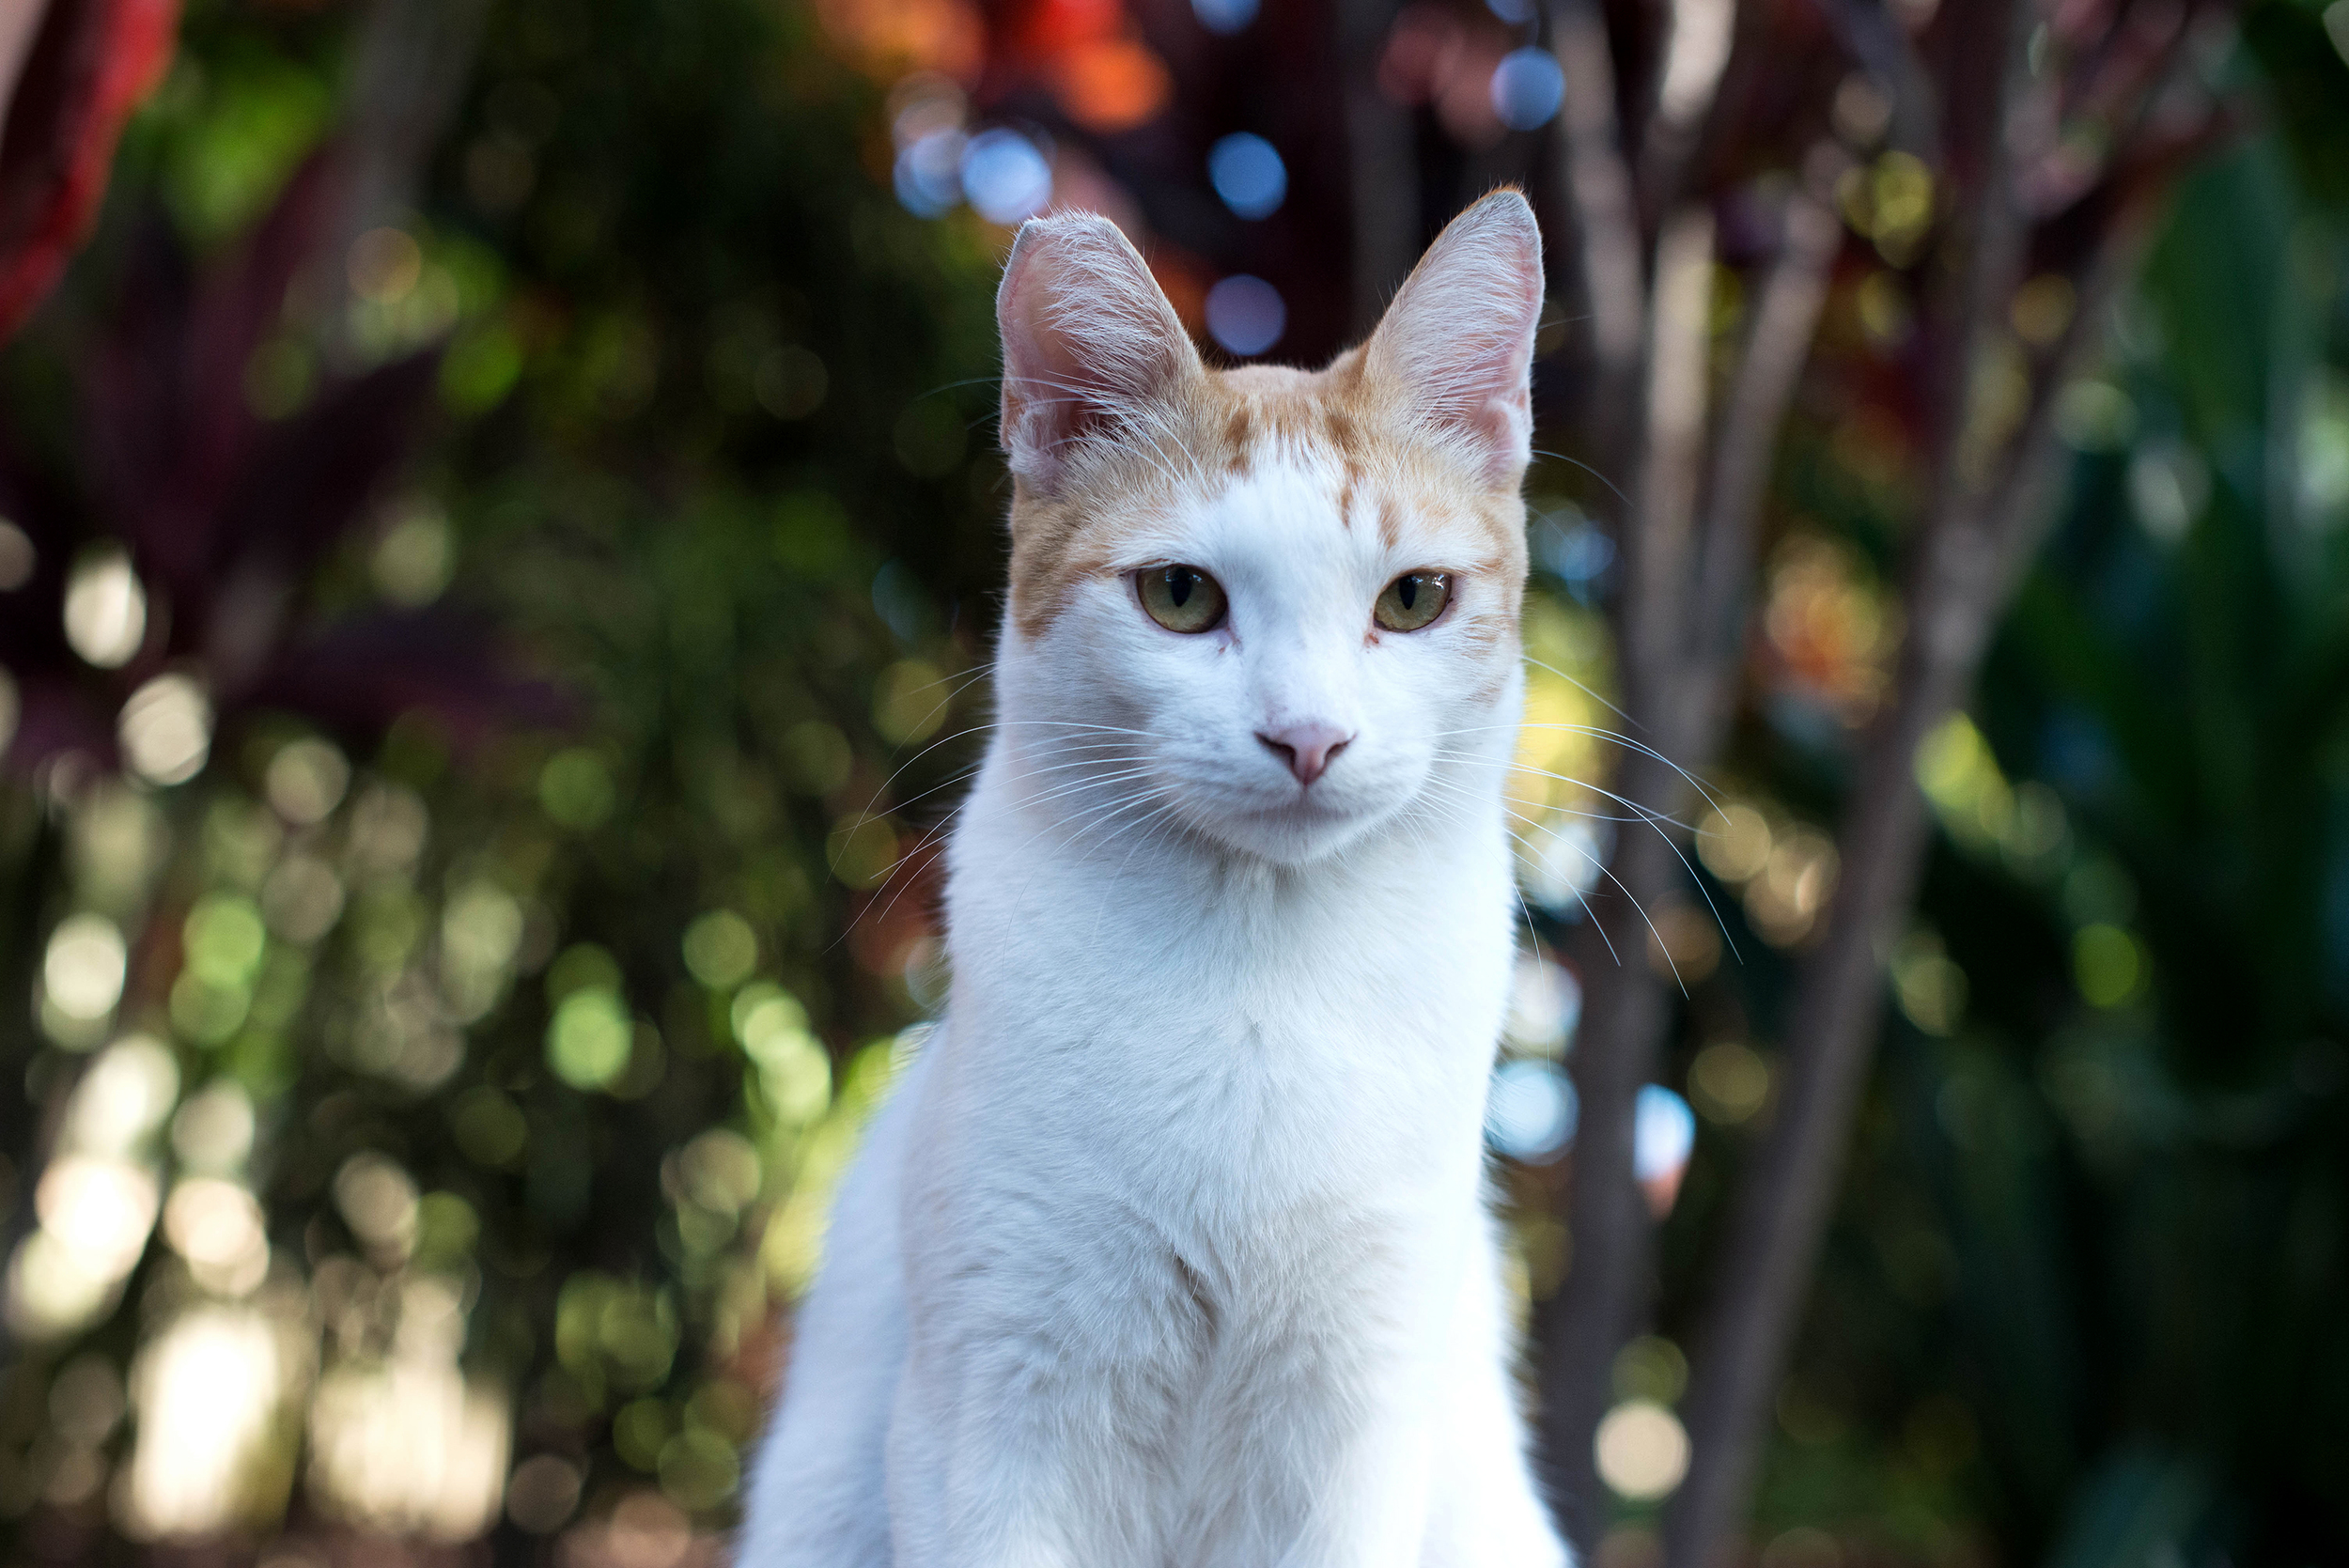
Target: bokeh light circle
column 1663, row 1132
column 1224, row 17
column 1006, row 177
column 1531, row 1111
column 1246, row 172
column 1527, row 86
column 1642, row 1451
column 1246, row 315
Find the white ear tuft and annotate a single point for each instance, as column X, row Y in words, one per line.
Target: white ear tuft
column 1459, row 340
column 1088, row 337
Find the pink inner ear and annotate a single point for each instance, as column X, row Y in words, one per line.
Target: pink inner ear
column 1087, row 338
column 1459, row 336
column 1043, row 411
column 1503, row 428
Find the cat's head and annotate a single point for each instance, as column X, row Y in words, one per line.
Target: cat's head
column 1271, row 607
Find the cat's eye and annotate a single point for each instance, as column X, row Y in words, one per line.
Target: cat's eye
column 1181, row 598
column 1412, row 600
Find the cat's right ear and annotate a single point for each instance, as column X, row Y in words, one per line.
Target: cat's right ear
column 1088, row 339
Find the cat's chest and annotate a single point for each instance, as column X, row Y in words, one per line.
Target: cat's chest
column 1313, row 1010
column 1223, row 1052
column 1110, row 960
column 1225, row 1088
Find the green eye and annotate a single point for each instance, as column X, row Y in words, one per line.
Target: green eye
column 1412, row 600
column 1182, row 598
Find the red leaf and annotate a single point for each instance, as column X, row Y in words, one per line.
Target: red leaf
column 88, row 67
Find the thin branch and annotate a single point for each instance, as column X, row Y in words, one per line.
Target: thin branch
column 1657, row 553
column 1382, row 165
column 1696, row 54
column 1603, row 1294
column 1598, row 1305
column 1600, row 196
column 1777, row 348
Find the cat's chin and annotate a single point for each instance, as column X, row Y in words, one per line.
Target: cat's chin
column 1297, row 832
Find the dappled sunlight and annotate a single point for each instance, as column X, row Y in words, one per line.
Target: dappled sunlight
column 1642, row 1451
column 98, row 1199
column 400, row 1441
column 1784, row 868
column 214, row 1394
column 1562, row 821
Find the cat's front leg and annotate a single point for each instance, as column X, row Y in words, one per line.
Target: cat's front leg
column 997, row 1460
column 1486, row 1512
column 1373, row 1510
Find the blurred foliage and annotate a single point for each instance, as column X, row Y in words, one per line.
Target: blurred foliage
column 484, row 1053
column 2081, row 1301
column 567, row 1025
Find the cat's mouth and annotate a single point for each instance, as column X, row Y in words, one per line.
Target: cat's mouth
column 1306, row 806
column 1304, row 826
column 1310, row 806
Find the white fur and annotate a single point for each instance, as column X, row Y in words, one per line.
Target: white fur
column 1169, row 1251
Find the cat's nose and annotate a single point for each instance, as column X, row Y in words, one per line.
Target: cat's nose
column 1305, row 749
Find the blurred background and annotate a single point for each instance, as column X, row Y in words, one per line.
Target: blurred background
column 500, row 533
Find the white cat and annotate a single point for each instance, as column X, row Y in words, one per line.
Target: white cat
column 1169, row 1251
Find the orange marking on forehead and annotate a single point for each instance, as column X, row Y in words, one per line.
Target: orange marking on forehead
column 1343, row 434
column 1461, row 530
column 1239, row 439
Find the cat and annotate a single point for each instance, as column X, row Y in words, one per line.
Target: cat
column 1171, row 1249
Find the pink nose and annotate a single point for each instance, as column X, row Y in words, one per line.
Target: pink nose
column 1305, row 749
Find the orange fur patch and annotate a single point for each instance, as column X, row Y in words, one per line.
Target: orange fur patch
column 1215, row 427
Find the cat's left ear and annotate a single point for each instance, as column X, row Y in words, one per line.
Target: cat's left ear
column 1457, row 343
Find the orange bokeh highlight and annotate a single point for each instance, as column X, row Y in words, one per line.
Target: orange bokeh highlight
column 1431, row 56
column 1111, row 84
column 889, row 38
column 1050, row 28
